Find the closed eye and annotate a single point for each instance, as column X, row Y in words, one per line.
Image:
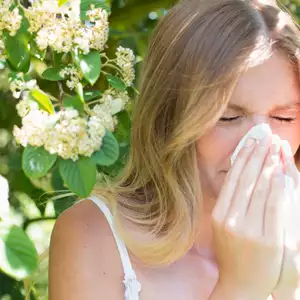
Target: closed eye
column 287, row 120
column 229, row 119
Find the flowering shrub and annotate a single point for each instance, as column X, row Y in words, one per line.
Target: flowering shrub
column 76, row 127
column 73, row 129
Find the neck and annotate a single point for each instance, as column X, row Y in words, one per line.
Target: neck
column 203, row 246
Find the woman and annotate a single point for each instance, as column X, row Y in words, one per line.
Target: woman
column 180, row 222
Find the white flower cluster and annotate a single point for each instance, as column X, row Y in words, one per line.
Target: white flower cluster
column 18, row 86
column 73, row 74
column 65, row 132
column 9, row 20
column 63, row 30
column 125, row 60
column 94, row 34
column 117, row 101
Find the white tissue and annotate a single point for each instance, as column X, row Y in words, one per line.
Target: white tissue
column 257, row 132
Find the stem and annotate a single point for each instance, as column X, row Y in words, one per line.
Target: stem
column 135, row 90
column 105, row 56
column 61, row 93
column 20, row 4
column 113, row 67
column 95, row 101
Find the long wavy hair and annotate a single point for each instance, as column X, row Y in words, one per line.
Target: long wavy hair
column 196, row 55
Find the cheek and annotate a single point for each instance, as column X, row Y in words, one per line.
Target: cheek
column 290, row 133
column 217, row 146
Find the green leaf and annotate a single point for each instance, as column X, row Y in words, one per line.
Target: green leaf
column 85, row 5
column 79, row 91
column 18, row 255
column 24, row 26
column 14, row 75
column 123, row 128
column 91, row 95
column 57, row 58
column 79, row 176
column 62, row 2
column 36, row 161
column 116, row 82
column 16, row 49
column 52, row 74
column 42, row 99
column 18, row 76
column 115, row 169
column 73, row 101
column 109, row 152
column 89, row 64
column 35, row 51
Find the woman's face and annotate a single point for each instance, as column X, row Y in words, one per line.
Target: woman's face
column 266, row 93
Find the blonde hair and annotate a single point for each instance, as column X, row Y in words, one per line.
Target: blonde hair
column 196, row 54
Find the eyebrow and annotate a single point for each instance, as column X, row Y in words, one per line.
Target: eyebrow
column 240, row 108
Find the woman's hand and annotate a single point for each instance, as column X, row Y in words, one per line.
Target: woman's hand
column 289, row 282
column 248, row 224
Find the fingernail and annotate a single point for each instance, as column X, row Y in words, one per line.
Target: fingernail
column 287, row 149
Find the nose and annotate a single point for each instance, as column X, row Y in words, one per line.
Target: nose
column 258, row 119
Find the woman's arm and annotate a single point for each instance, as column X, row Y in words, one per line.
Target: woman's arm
column 84, row 262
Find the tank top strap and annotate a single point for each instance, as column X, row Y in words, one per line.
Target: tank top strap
column 132, row 285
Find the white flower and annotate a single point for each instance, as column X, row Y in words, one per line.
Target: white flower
column 71, row 8
column 17, row 86
column 125, row 60
column 103, row 112
column 74, row 76
column 9, row 20
column 117, row 101
column 82, row 39
column 99, row 29
column 31, row 84
column 25, row 106
column 125, row 56
column 61, row 27
column 34, row 129
column 57, row 35
column 66, row 133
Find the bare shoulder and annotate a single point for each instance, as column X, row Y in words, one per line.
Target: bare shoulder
column 84, row 262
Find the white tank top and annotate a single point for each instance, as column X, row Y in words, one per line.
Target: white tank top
column 132, row 285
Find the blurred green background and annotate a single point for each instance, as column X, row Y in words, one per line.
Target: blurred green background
column 33, row 206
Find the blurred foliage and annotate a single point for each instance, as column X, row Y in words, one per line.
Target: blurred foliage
column 37, row 203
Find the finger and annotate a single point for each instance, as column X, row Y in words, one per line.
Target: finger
column 247, row 180
column 292, row 205
column 224, row 200
column 289, row 163
column 274, row 217
column 257, row 205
